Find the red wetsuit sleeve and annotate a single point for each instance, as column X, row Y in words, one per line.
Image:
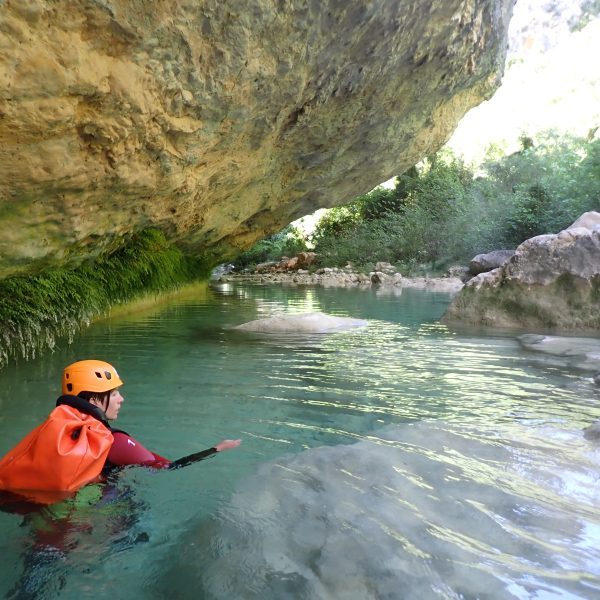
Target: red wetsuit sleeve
column 128, row 451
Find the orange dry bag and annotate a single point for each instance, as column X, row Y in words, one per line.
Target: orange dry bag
column 64, row 453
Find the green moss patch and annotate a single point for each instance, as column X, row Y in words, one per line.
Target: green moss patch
column 568, row 304
column 38, row 309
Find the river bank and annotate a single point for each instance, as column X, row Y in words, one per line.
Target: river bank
column 345, row 277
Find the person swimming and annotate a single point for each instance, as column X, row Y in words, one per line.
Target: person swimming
column 68, row 468
column 98, row 384
column 77, row 444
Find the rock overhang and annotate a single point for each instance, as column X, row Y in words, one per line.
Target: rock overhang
column 218, row 123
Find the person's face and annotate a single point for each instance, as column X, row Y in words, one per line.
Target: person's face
column 114, row 405
column 112, row 412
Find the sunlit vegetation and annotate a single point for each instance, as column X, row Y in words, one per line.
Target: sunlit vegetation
column 288, row 242
column 443, row 211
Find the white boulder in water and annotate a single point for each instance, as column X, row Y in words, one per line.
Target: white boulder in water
column 316, row 322
column 579, row 352
column 427, row 511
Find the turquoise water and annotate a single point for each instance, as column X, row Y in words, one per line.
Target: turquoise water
column 401, row 460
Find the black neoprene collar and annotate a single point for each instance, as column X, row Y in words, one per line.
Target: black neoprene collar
column 85, row 407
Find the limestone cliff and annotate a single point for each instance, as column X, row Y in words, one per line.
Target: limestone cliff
column 220, row 121
column 551, row 282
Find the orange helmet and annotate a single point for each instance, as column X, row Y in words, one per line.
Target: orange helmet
column 89, row 376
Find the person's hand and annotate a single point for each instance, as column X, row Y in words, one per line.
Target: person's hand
column 227, row 445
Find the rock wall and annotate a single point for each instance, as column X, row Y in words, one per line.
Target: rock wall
column 220, row 122
column 551, row 282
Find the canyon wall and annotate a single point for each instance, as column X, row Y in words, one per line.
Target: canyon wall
column 220, row 122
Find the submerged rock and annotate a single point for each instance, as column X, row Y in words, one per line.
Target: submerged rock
column 552, row 282
column 221, row 122
column 561, row 346
column 412, row 512
column 316, row 322
column 578, row 352
column 592, row 432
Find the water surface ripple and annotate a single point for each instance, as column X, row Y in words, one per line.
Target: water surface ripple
column 401, row 460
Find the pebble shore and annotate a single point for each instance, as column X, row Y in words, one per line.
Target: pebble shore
column 335, row 277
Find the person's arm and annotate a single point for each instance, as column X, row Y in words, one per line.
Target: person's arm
column 197, row 456
column 128, row 451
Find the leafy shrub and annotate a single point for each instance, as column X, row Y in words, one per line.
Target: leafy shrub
column 338, row 221
column 442, row 211
column 546, row 186
column 382, row 202
column 405, row 225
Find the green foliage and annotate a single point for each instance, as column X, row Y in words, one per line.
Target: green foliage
column 38, row 309
column 544, row 187
column 590, row 9
column 287, row 242
column 338, row 221
column 406, row 225
column 378, row 203
column 442, row 211
column 530, row 211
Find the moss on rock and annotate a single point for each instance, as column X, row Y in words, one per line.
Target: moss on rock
column 570, row 303
column 38, row 309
